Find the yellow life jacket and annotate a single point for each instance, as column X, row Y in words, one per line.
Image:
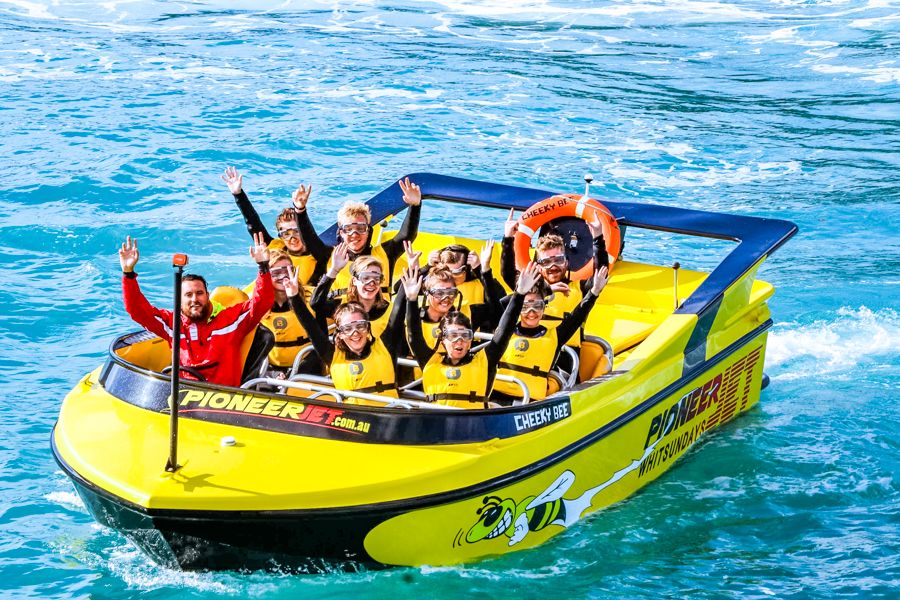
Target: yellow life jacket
column 290, row 337
column 558, row 305
column 472, row 292
column 529, row 359
column 373, row 374
column 380, row 324
column 342, row 281
column 464, row 386
column 304, row 263
column 430, row 330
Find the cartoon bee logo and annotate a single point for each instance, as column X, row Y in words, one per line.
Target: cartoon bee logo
column 453, row 373
column 521, row 344
column 356, row 368
column 436, row 332
column 279, row 323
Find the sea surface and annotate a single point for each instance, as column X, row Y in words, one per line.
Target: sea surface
column 117, row 118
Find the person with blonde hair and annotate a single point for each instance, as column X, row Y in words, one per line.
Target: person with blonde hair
column 354, row 224
column 366, row 280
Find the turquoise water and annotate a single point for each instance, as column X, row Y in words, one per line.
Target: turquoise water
column 118, row 118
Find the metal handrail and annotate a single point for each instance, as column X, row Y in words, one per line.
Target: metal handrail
column 576, row 365
column 526, row 395
column 312, row 387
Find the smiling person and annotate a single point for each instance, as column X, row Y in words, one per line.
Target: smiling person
column 296, row 235
column 358, row 360
column 550, row 256
column 469, row 271
column 452, row 374
column 533, row 348
column 355, row 231
column 290, row 335
column 211, row 334
column 366, row 280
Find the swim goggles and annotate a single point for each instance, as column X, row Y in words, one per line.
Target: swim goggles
column 453, row 335
column 551, row 261
column 354, row 228
column 353, row 327
column 288, row 233
column 369, row 277
column 443, row 293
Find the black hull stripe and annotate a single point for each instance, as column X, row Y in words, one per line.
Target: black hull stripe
column 478, row 489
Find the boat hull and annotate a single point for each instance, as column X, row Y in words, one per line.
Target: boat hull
column 520, row 509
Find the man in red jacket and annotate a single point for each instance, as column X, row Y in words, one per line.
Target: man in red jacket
column 211, row 334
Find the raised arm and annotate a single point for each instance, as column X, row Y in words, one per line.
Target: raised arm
column 574, row 320
column 601, row 256
column 235, row 181
column 321, row 301
column 314, row 244
column 412, row 197
column 392, row 336
column 507, row 255
column 495, row 348
column 263, row 296
column 154, row 320
column 493, row 291
column 317, row 335
column 412, row 284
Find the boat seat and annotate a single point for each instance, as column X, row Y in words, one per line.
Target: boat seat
column 255, row 349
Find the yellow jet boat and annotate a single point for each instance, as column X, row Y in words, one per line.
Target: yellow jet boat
column 295, row 479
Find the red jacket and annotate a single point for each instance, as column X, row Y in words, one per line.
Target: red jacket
column 213, row 348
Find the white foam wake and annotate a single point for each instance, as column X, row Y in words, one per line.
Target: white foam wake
column 835, row 345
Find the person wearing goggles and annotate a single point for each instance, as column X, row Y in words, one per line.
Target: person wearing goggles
column 366, row 288
column 290, row 335
column 295, row 233
column 466, row 268
column 534, row 348
column 550, row 256
column 354, row 230
column 358, row 360
column 211, row 334
column 452, row 373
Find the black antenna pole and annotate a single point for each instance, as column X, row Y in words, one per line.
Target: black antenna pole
column 179, row 261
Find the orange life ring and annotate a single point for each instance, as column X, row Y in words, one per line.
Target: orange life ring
column 566, row 205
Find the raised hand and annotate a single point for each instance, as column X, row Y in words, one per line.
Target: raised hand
column 301, row 196
column 292, row 284
column 511, row 226
column 601, row 277
column 234, row 180
column 259, row 252
column 486, row 253
column 412, row 282
column 412, row 257
column 412, row 195
column 527, row 278
column 128, row 255
column 560, row 287
column 340, row 256
column 595, row 226
column 473, row 261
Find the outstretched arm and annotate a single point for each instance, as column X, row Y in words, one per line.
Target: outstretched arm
column 497, row 346
column 317, row 335
column 235, row 181
column 146, row 315
column 408, row 231
column 314, row 244
column 574, row 320
column 412, row 284
column 601, row 256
